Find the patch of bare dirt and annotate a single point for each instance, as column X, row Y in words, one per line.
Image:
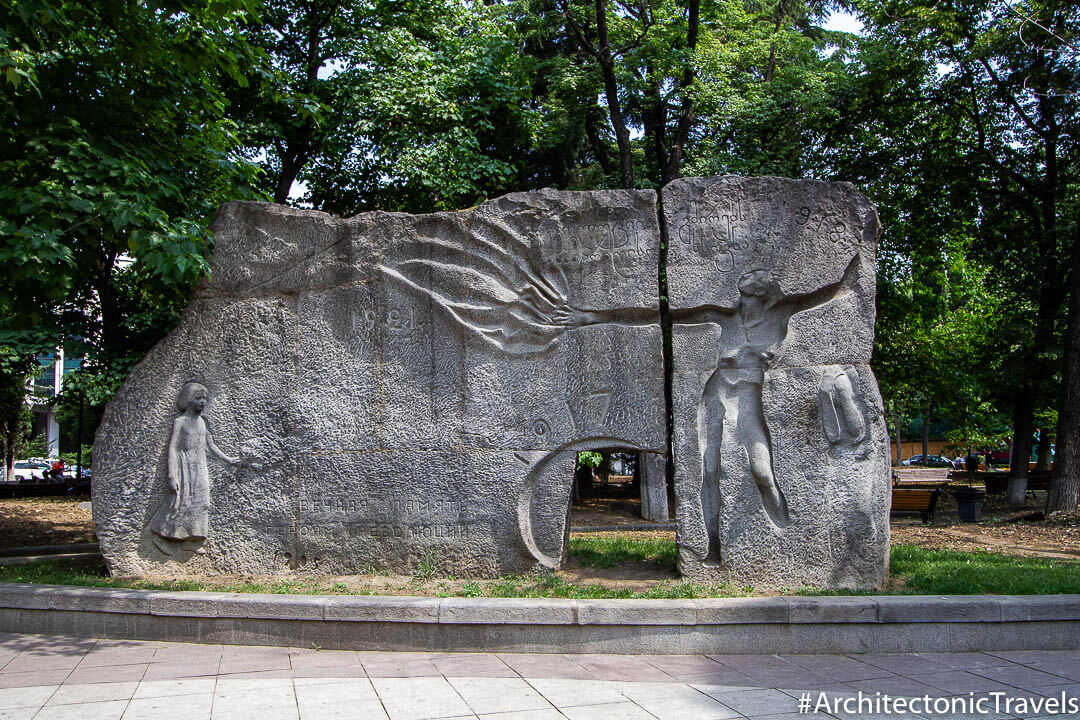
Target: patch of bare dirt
column 606, row 511
column 1018, row 531
column 44, row 521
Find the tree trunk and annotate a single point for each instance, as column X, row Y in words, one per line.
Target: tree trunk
column 622, row 135
column 672, row 162
column 285, row 181
column 601, row 50
column 654, row 121
column 112, row 335
column 599, row 147
column 611, row 94
column 292, row 161
column 1023, row 427
column 899, row 445
column 10, row 438
column 926, row 432
column 1065, row 480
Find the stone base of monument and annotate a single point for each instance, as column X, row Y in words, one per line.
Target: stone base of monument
column 780, row 625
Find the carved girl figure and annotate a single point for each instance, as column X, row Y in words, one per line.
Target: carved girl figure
column 184, row 516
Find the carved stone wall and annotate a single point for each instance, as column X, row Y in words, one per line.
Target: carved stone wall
column 389, row 390
column 780, row 446
column 398, row 388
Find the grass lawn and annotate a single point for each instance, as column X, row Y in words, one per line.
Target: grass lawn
column 947, row 572
column 915, row 571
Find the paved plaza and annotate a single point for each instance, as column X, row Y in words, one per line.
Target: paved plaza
column 49, row 678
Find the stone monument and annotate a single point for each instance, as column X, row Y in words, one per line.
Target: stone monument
column 387, row 390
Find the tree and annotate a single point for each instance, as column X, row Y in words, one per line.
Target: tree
column 116, row 153
column 1065, row 480
column 14, row 412
column 988, row 96
column 292, row 106
column 390, row 105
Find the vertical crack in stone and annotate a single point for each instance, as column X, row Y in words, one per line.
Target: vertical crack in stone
column 668, row 362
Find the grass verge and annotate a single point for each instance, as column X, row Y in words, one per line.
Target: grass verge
column 946, row 572
column 610, row 551
column 915, row 571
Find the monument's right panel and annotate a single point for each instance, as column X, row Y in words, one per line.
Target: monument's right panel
column 780, row 446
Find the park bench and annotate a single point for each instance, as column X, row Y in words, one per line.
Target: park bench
column 920, row 500
column 998, row 483
column 920, row 477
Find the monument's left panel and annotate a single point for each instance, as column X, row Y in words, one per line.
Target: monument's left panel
column 238, row 341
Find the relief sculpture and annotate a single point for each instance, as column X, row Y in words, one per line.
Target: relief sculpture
column 769, row 348
column 841, row 418
column 182, row 520
column 417, row 388
column 749, row 333
column 503, row 295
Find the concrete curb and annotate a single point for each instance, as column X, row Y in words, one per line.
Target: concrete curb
column 76, row 549
column 724, row 625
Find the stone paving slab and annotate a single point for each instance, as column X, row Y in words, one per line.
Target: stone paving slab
column 433, row 686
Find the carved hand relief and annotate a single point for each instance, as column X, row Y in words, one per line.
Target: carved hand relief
column 501, row 295
column 841, row 418
column 181, row 521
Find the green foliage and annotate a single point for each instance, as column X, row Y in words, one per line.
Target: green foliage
column 969, row 438
column 427, row 567
column 387, row 105
column 36, row 446
column 71, row 458
column 126, row 125
column 766, row 89
column 116, row 153
column 963, row 119
column 589, row 459
column 15, row 424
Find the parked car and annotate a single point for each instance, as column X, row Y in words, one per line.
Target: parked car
column 30, row 471
column 928, row 461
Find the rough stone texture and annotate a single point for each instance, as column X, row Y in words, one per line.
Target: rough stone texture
column 780, row 447
column 654, row 489
column 402, row 391
column 409, row 393
column 752, row 625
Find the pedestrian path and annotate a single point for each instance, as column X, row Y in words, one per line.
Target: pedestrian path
column 53, row 678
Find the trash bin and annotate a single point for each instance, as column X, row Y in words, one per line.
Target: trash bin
column 969, row 503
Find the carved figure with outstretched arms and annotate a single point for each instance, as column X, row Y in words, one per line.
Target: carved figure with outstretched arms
column 749, row 330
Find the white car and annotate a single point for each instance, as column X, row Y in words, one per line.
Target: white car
column 30, row 471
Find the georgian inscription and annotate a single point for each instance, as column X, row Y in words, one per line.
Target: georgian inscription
column 618, row 244
column 821, row 221
column 711, row 232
